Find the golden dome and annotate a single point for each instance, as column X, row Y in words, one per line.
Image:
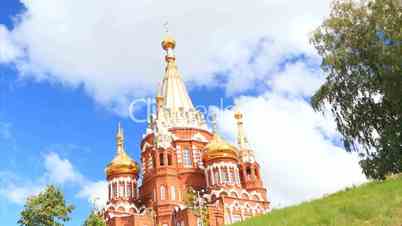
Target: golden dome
column 218, row 148
column 168, row 42
column 238, row 115
column 122, row 163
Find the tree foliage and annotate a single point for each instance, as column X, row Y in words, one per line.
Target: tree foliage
column 193, row 199
column 48, row 208
column 94, row 219
column 361, row 47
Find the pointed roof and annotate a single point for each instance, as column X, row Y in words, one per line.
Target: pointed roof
column 241, row 135
column 246, row 153
column 172, row 88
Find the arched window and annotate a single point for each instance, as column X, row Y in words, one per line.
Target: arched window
column 186, row 158
column 178, row 154
column 128, row 189
column 163, row 192
column 122, row 189
column 169, row 159
column 114, row 190
column 224, row 176
column 153, row 162
column 110, row 191
column 233, row 176
column 216, row 177
column 161, row 159
column 248, row 172
column 173, row 193
column 197, row 158
column 237, row 176
column 257, row 173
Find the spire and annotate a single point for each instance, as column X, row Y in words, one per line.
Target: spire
column 241, row 137
column 213, row 123
column 120, row 140
column 172, row 89
column 121, row 163
column 246, row 153
column 173, row 104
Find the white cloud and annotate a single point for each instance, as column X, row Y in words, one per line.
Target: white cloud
column 8, row 50
column 112, row 48
column 296, row 79
column 16, row 189
column 295, row 147
column 61, row 171
column 58, row 171
column 298, row 149
column 96, row 193
column 18, row 194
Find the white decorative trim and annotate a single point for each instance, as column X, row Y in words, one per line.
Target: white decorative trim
column 238, row 192
column 199, row 137
column 224, row 167
column 125, row 206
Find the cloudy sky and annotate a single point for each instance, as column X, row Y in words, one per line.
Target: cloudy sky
column 69, row 70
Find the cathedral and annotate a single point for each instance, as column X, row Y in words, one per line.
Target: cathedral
column 189, row 174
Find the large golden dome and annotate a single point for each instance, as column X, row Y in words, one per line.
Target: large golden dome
column 122, row 163
column 218, row 148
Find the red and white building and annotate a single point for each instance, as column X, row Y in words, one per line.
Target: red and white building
column 179, row 151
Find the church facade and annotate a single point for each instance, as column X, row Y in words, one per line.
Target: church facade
column 190, row 175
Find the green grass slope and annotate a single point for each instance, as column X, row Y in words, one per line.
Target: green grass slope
column 372, row 204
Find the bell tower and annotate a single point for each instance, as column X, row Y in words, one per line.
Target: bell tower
column 171, row 149
column 121, row 174
column 249, row 168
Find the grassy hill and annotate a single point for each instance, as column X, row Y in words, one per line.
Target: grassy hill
column 372, row 204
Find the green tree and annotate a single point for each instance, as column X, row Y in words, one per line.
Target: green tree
column 361, row 47
column 48, row 208
column 193, row 199
column 94, row 219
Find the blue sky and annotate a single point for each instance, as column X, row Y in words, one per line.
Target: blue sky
column 68, row 71
column 41, row 118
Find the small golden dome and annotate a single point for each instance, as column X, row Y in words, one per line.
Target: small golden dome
column 238, row 115
column 121, row 164
column 218, row 148
column 168, row 42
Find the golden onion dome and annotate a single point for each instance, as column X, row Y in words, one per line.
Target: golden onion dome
column 218, row 148
column 168, row 42
column 122, row 163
